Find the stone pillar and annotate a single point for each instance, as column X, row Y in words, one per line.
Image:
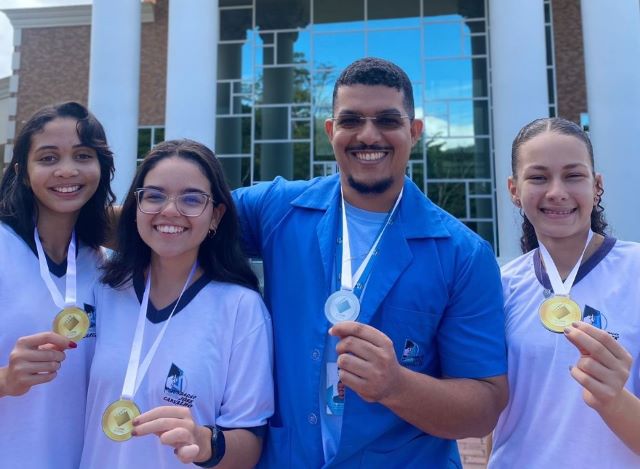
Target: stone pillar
column 519, row 95
column 611, row 32
column 192, row 70
column 114, row 81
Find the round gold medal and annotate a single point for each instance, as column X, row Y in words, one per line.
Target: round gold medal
column 559, row 312
column 117, row 420
column 72, row 322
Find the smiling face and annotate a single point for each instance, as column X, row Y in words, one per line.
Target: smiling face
column 372, row 160
column 556, row 187
column 62, row 172
column 170, row 234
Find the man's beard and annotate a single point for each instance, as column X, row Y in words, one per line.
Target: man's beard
column 378, row 187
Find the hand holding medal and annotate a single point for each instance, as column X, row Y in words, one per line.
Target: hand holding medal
column 367, row 360
column 118, row 417
column 176, row 427
column 603, row 367
column 560, row 311
column 34, row 360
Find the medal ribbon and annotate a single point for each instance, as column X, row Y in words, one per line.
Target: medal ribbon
column 135, row 370
column 70, row 286
column 347, row 281
column 559, row 287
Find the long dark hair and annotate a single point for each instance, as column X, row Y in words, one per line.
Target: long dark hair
column 18, row 207
column 219, row 256
column 529, row 240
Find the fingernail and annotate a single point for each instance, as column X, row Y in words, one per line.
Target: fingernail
column 574, row 324
column 330, row 330
column 72, row 344
column 567, row 330
column 134, row 433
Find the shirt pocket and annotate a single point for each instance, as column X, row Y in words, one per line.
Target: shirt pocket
column 412, row 333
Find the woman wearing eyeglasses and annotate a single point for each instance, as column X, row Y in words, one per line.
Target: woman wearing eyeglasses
column 182, row 368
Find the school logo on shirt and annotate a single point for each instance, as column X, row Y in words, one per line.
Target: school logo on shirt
column 91, row 312
column 597, row 319
column 174, row 387
column 411, row 354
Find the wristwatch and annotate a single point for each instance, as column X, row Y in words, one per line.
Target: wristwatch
column 217, row 447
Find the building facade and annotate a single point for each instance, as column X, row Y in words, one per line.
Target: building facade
column 254, row 78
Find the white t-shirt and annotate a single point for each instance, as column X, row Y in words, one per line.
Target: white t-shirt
column 547, row 424
column 43, row 428
column 215, row 358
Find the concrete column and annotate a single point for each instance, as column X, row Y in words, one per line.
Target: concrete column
column 114, row 81
column 192, row 70
column 611, row 33
column 519, row 95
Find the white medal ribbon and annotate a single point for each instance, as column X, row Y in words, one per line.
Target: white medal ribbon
column 70, row 288
column 559, row 287
column 347, row 281
column 136, row 371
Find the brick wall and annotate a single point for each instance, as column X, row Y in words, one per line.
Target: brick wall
column 54, row 67
column 569, row 55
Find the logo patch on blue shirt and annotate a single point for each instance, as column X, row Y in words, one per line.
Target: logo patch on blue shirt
column 411, row 354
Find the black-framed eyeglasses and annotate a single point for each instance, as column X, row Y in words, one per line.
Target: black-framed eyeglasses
column 384, row 121
column 189, row 204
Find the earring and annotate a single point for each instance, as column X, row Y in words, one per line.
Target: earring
column 517, row 203
column 212, row 232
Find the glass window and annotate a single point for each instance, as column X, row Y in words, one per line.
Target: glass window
column 272, row 123
column 233, row 135
column 464, row 8
column 234, row 3
column 448, row 195
column 301, row 160
column 322, row 150
column 144, row 141
column 458, row 158
column 237, row 171
column 337, row 50
column 480, row 188
column 442, row 39
column 456, row 78
column 384, row 9
column 398, row 46
column 235, row 23
column 480, row 207
column 273, row 159
column 283, row 85
column 338, row 12
column 282, row 14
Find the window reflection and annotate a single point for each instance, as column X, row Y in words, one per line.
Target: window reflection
column 277, row 64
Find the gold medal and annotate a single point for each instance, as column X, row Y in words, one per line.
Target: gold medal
column 117, row 420
column 559, row 312
column 72, row 322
